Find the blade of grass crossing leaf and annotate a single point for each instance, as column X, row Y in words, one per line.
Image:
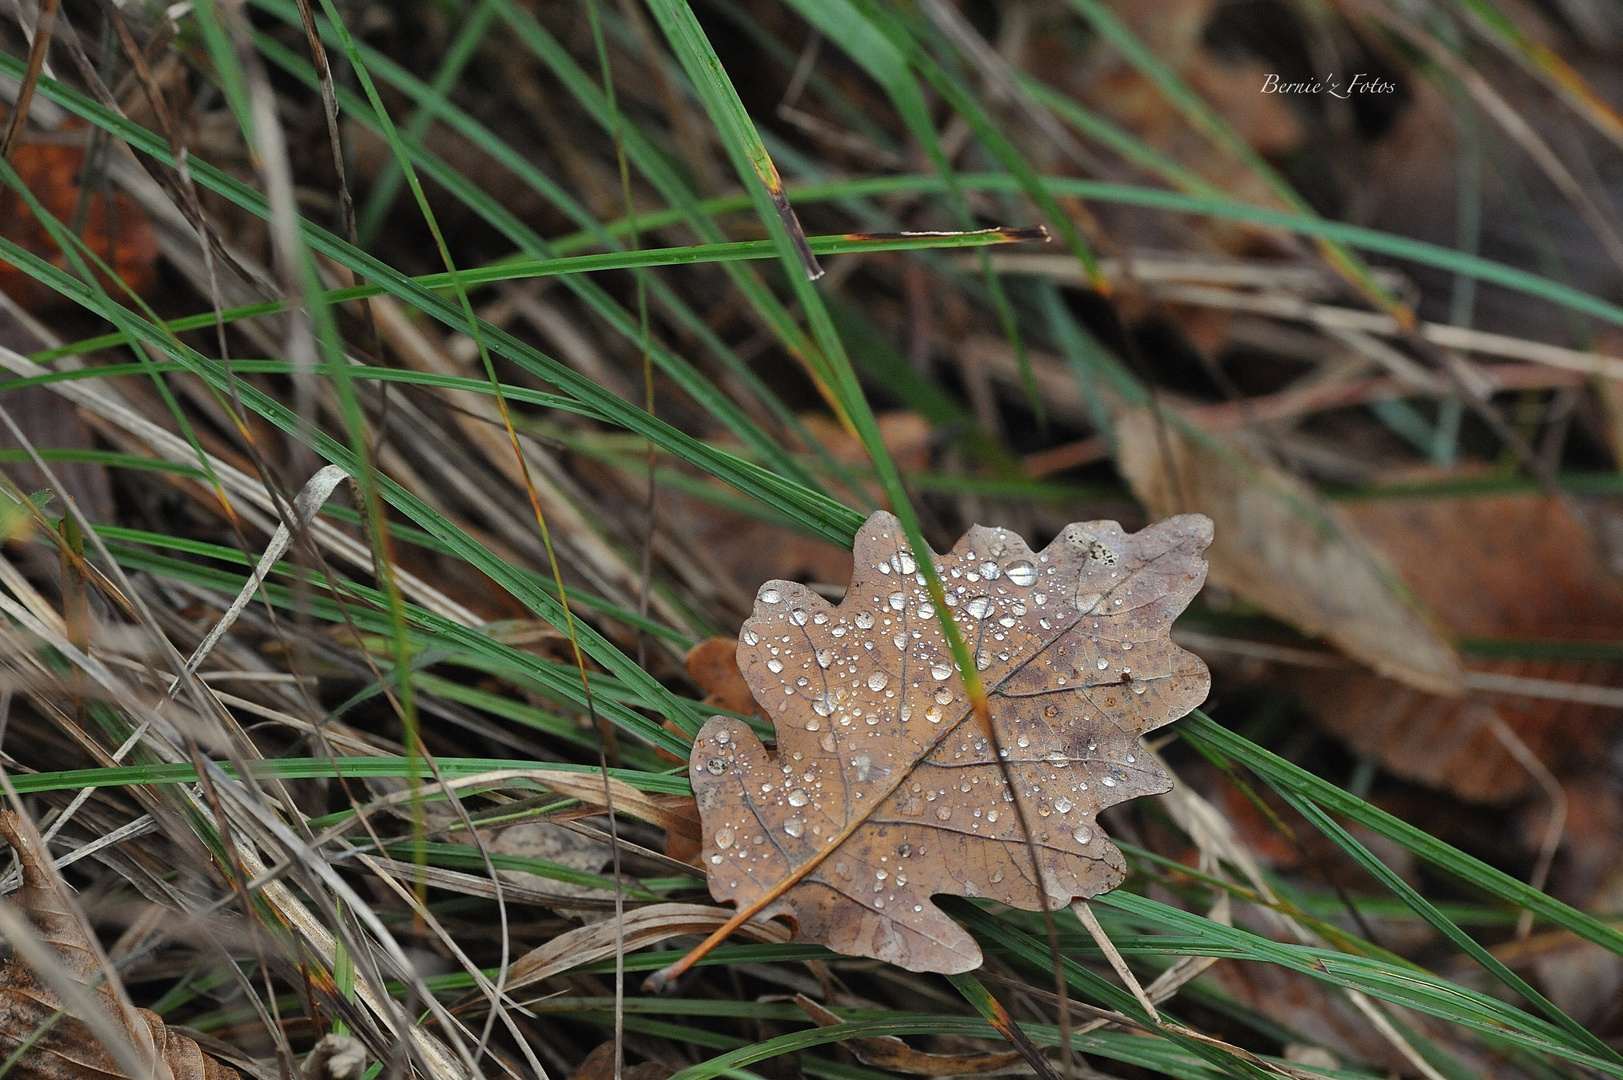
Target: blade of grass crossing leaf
column 79, row 253
column 738, row 135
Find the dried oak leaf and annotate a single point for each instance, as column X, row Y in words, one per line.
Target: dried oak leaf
column 63, row 1047
column 884, row 792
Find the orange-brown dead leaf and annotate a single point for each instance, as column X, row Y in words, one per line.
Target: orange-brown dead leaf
column 884, row 793
column 713, row 664
column 114, row 228
column 67, row 1050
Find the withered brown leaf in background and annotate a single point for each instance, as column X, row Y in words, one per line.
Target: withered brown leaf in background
column 28, row 1005
column 1284, row 548
column 884, row 792
column 599, row 1065
column 114, row 227
column 1517, row 566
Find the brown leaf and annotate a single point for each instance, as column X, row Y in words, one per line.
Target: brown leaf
column 599, row 1065
column 1518, row 566
column 116, row 229
column 713, row 664
column 64, row 1048
column 1285, row 549
column 883, row 791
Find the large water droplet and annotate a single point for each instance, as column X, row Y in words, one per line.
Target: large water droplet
column 1023, row 742
column 821, row 707
column 1021, row 572
column 770, row 596
column 838, row 631
column 980, row 607
column 877, row 680
column 814, row 724
column 798, row 616
column 724, row 838
column 943, row 696
column 748, row 637
column 794, row 827
column 900, row 641
column 942, row 813
column 1108, row 781
column 1063, row 805
column 940, row 669
column 1082, row 834
column 715, row 766
column 1103, row 664
column 825, row 657
column 989, row 570
column 897, row 601
column 798, row 798
column 774, row 665
column 1058, row 760
column 926, row 610
column 933, row 714
column 905, row 563
column 865, row 620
